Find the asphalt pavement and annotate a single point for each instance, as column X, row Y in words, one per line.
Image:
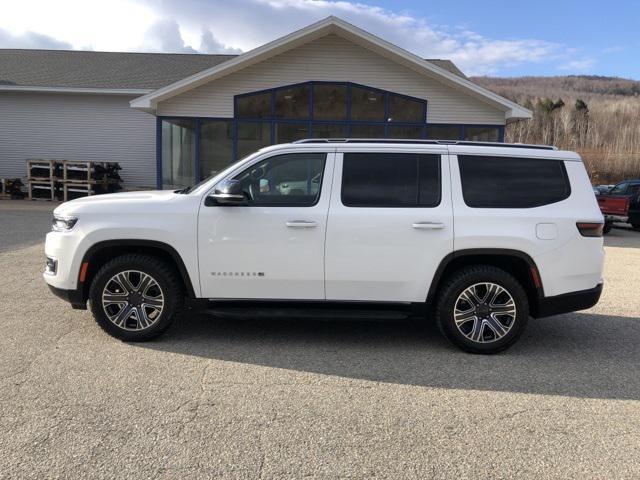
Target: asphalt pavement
column 24, row 222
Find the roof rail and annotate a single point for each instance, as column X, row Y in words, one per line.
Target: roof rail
column 427, row 142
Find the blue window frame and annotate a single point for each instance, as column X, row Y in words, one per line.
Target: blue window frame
column 414, row 125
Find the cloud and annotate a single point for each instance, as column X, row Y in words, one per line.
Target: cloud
column 31, row 40
column 578, row 66
column 246, row 24
column 232, row 26
column 165, row 36
column 209, row 44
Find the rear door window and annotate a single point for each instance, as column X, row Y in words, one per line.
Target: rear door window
column 512, row 182
column 390, row 180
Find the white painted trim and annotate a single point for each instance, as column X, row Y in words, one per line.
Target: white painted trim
column 350, row 32
column 90, row 91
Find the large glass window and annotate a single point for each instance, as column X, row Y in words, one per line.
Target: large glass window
column 390, row 180
column 482, row 134
column 405, row 131
column 329, row 102
column 443, row 132
column 178, row 153
column 216, row 146
column 252, row 136
column 403, row 109
column 293, row 179
column 367, row 104
column 257, row 105
column 294, row 112
column 290, row 132
column 292, row 102
column 329, row 130
column 367, row 131
column 505, row 182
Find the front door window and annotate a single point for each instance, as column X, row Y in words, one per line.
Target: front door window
column 284, row 180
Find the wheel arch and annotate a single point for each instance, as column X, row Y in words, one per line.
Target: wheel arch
column 517, row 263
column 100, row 252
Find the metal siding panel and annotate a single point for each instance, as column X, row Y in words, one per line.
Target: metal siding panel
column 332, row 58
column 77, row 127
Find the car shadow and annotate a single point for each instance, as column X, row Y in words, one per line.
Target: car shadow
column 622, row 236
column 579, row 355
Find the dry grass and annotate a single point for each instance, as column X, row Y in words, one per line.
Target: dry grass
column 608, row 137
column 606, row 133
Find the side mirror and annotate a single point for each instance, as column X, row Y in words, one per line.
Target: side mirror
column 229, row 192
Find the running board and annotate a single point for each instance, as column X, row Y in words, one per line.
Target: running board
column 313, row 310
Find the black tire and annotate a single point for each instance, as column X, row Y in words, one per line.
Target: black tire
column 167, row 281
column 636, row 226
column 452, row 289
column 607, row 227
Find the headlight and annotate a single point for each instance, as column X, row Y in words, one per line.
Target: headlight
column 62, row 223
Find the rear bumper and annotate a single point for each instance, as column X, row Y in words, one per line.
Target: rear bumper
column 568, row 302
column 74, row 297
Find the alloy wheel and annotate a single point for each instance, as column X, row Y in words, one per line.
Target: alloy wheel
column 484, row 312
column 132, row 300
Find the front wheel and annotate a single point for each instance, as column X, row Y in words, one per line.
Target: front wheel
column 482, row 309
column 135, row 297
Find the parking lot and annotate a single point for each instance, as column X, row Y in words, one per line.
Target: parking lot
column 291, row 398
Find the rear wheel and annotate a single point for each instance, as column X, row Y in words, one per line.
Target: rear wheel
column 135, row 297
column 636, row 226
column 482, row 309
column 607, row 227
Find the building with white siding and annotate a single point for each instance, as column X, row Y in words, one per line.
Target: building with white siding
column 172, row 119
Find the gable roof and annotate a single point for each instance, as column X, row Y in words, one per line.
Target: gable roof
column 72, row 69
column 337, row 26
column 136, row 73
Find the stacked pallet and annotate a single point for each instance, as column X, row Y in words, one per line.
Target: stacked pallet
column 42, row 179
column 80, row 179
column 69, row 179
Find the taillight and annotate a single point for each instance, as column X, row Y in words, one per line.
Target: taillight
column 590, row 229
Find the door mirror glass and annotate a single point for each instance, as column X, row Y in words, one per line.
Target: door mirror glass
column 228, row 192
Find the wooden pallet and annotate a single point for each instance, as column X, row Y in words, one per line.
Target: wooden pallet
column 49, row 165
column 68, row 187
column 81, row 166
column 31, row 186
column 99, row 181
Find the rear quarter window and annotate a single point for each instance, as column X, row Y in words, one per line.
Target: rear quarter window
column 512, row 182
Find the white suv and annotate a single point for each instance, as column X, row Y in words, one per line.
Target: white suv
column 479, row 236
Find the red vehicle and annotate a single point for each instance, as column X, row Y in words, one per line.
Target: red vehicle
column 621, row 204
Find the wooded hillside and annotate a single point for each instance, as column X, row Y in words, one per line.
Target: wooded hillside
column 597, row 116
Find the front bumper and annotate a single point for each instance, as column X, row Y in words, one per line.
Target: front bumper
column 567, row 302
column 74, row 297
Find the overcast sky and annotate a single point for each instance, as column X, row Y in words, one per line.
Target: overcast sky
column 484, row 38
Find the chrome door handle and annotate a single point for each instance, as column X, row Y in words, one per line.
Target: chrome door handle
column 428, row 225
column 301, row 224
